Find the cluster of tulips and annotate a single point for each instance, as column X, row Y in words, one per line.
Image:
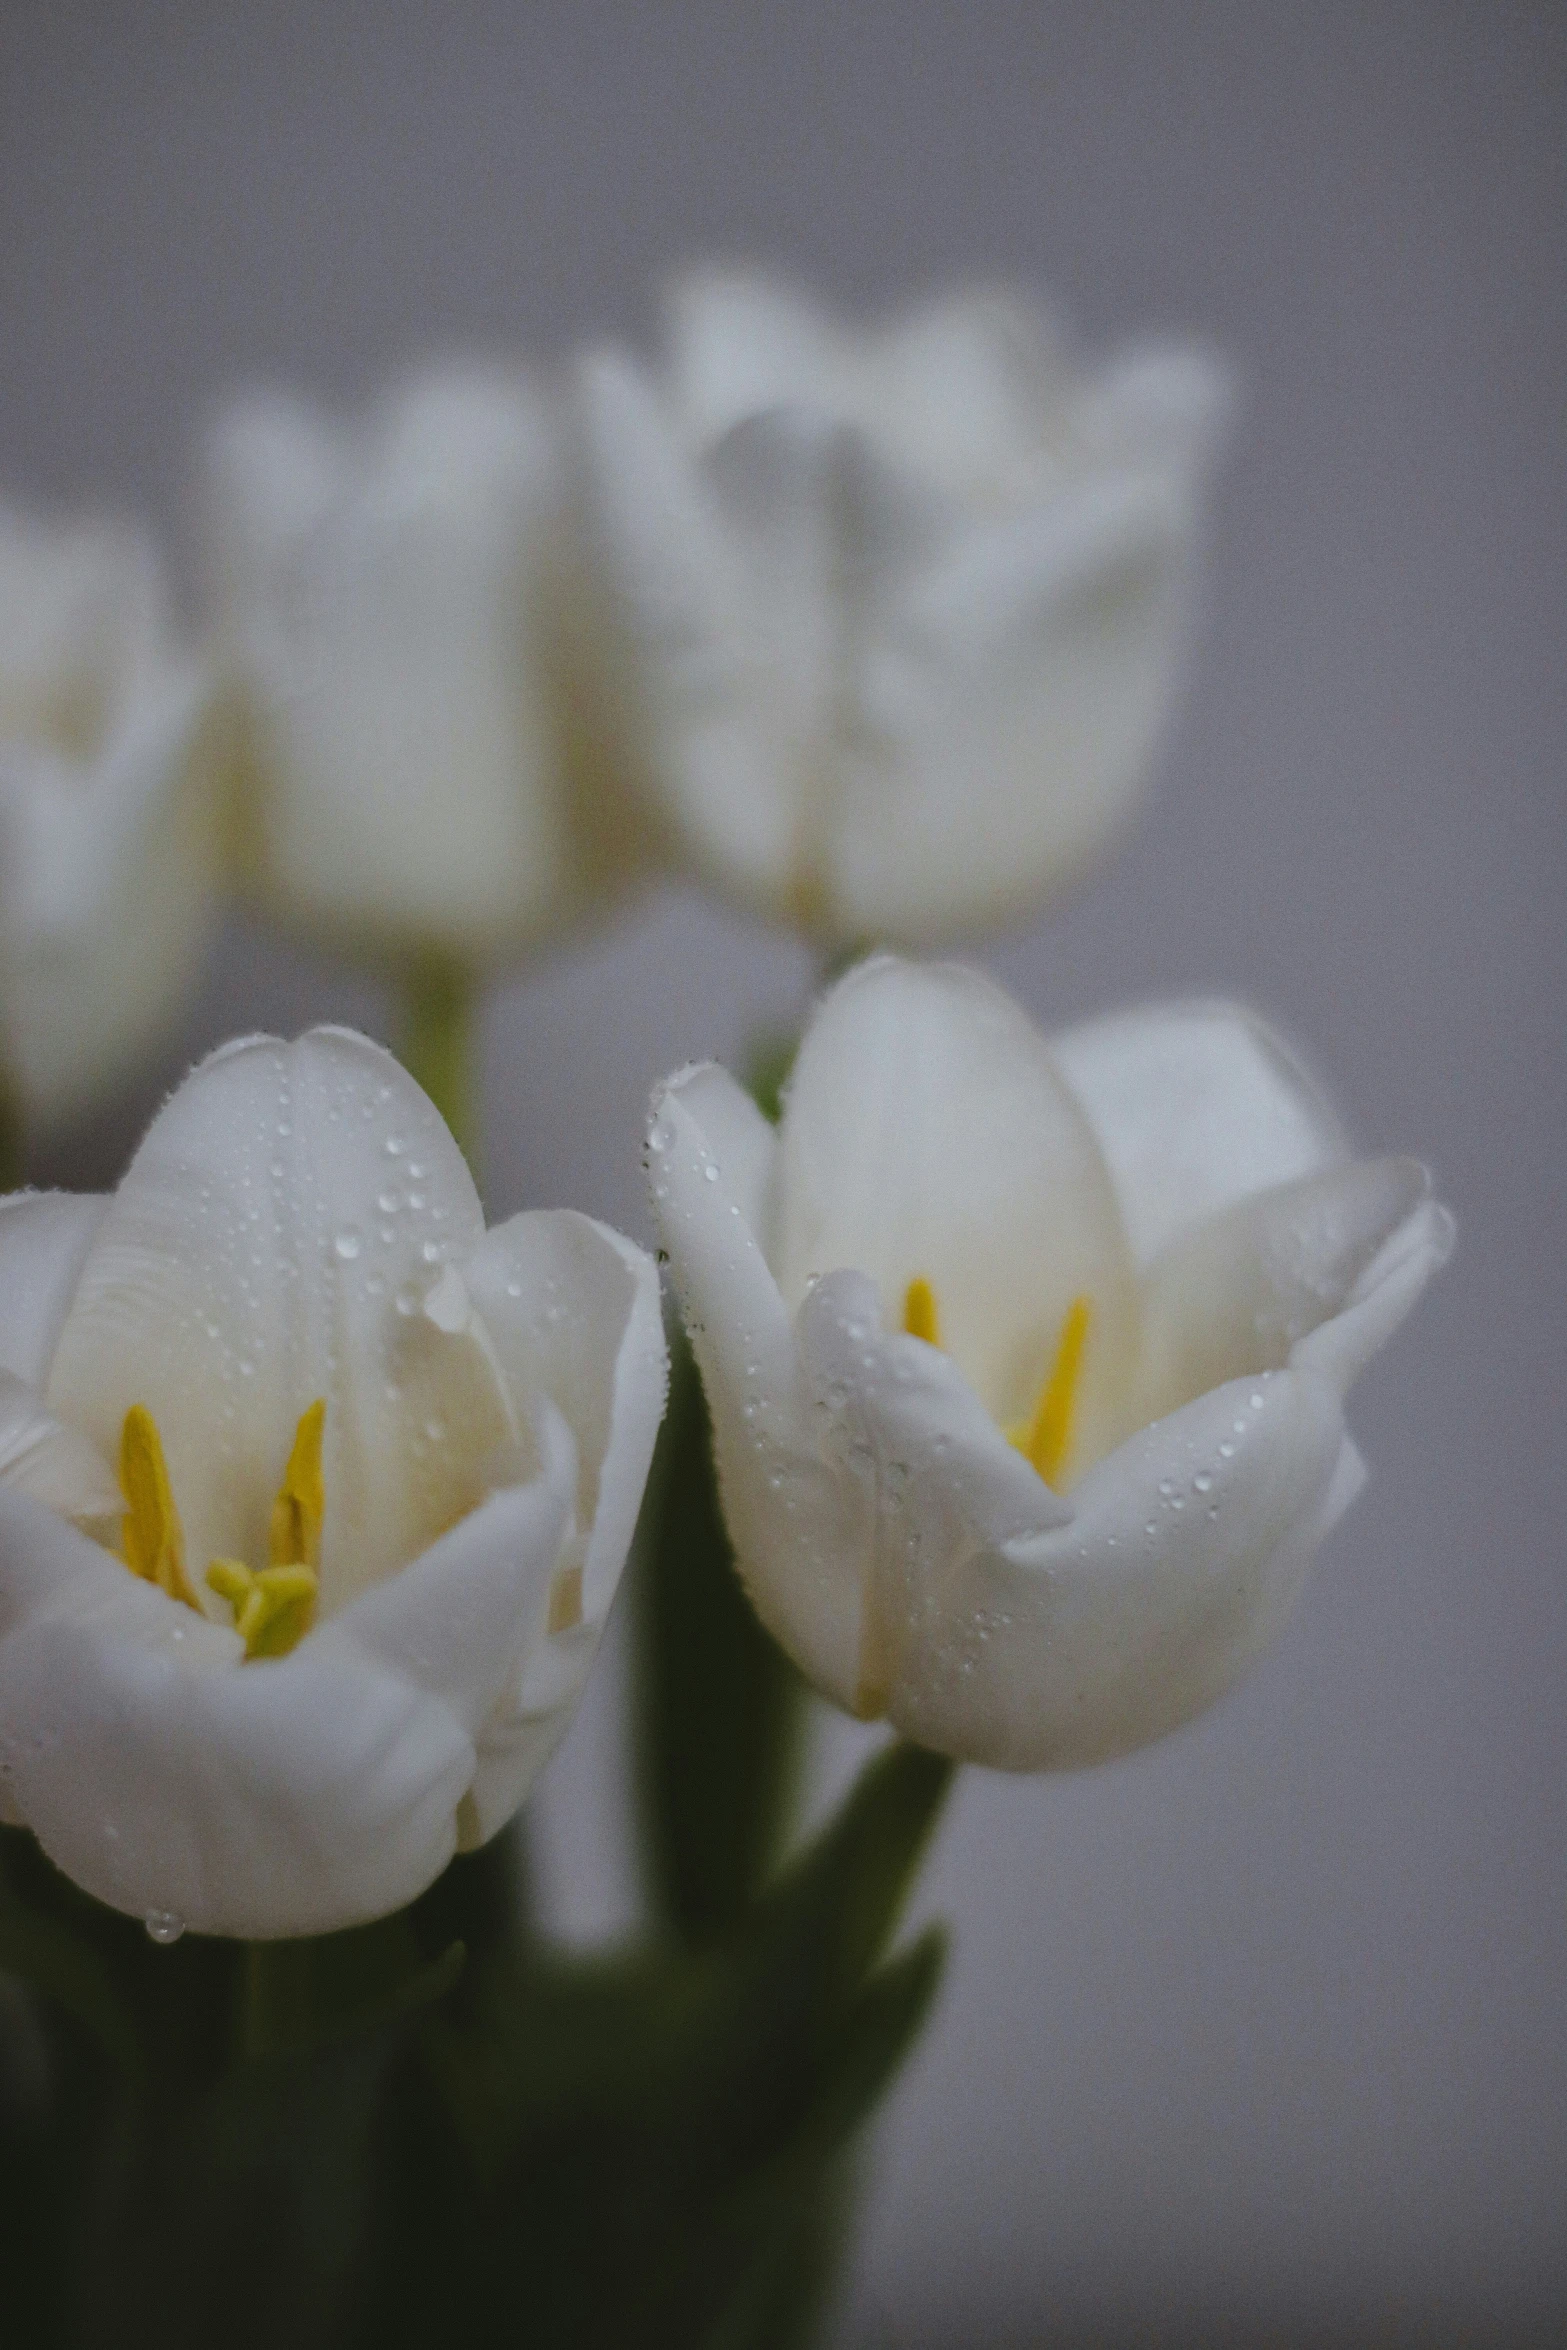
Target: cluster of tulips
column 1024, row 1358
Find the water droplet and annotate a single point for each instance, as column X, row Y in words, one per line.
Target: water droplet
column 1226, row 1451
column 164, row 1925
column 710, row 1171
column 431, row 1252
column 394, row 1146
column 348, row 1244
column 1203, row 1481
column 408, row 1301
column 389, row 1202
column 514, row 1289
column 416, row 1199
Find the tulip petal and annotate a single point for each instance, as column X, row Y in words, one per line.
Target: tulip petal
column 40, row 1456
column 1186, row 1550
column 1384, row 1293
column 1165, row 406
column 387, row 623
column 927, row 1135
column 1195, row 1106
column 457, row 1620
column 1038, row 654
column 44, row 1238
column 791, row 1521
column 292, row 1797
column 275, row 1240
column 1236, row 1294
column 573, row 1311
column 739, row 344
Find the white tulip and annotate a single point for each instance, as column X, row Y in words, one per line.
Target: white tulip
column 898, row 612
column 405, row 734
column 377, row 1473
column 1026, row 1361
column 107, row 839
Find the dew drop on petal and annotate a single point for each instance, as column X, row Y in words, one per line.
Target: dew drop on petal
column 348, row 1244
column 164, row 1925
column 1202, row 1482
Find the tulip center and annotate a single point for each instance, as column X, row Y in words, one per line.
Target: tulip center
column 1045, row 1437
column 275, row 1605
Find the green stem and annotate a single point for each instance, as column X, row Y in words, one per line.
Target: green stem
column 12, row 1153
column 439, row 1041
column 274, row 1998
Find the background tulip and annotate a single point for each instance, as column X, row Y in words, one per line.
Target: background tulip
column 107, row 837
column 1026, row 1364
column 404, row 732
column 899, row 609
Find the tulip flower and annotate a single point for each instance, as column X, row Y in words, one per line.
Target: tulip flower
column 107, row 840
column 401, row 737
column 896, row 614
column 313, row 1497
column 1026, row 1362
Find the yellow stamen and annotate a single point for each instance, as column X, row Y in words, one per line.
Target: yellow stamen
column 920, row 1317
column 151, row 1532
column 1045, row 1438
column 295, row 1534
column 566, row 1600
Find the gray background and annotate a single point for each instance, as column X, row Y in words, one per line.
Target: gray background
column 1258, row 2037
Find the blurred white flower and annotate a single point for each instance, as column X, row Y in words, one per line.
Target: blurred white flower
column 377, row 1473
column 406, row 735
column 1026, row 1361
column 108, row 843
column 895, row 614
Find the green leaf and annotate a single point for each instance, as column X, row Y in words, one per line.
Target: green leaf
column 718, row 1710
column 68, row 1972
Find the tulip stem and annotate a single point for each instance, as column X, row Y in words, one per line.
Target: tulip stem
column 439, row 1038
column 12, row 1155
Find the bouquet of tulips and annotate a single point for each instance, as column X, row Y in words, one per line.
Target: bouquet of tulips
column 1000, row 1395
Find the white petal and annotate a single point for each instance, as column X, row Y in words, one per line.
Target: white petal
column 740, row 344
column 393, row 652
column 926, row 1474
column 1186, row 1551
column 573, row 1311
column 1384, row 1293
column 109, row 893
column 1166, row 405
column 41, row 1457
column 1236, row 1293
column 272, row 1242
column 44, row 1238
column 968, row 388
column 83, row 617
column 1195, row 1106
column 292, row 1797
column 788, row 1514
column 1032, row 667
column 458, row 1621
column 926, row 1134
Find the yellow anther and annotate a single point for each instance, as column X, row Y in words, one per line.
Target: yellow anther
column 1045, row 1437
column 151, row 1532
column 566, row 1600
column 920, row 1317
column 295, row 1532
column 273, row 1610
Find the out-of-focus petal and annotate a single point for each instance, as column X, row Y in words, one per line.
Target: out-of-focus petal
column 1195, row 1106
